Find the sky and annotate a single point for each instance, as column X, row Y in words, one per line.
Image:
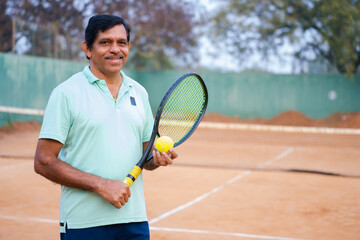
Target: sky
column 210, row 57
column 227, row 63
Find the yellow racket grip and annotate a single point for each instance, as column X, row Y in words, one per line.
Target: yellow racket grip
column 134, row 173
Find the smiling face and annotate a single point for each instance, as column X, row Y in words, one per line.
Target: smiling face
column 109, row 52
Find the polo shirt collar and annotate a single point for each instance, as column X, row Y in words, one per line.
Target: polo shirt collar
column 92, row 78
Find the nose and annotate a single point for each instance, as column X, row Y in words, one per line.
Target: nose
column 114, row 48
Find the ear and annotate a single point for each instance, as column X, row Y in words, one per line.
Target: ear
column 86, row 50
column 129, row 46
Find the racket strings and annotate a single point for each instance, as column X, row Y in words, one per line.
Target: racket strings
column 182, row 109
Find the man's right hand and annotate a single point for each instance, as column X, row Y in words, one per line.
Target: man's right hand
column 115, row 192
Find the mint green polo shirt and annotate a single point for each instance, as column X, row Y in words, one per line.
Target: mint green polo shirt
column 100, row 136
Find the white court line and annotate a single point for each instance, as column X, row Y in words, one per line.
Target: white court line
column 267, row 128
column 220, row 233
column 27, row 111
column 4, row 168
column 198, row 199
column 283, row 154
column 205, row 195
column 30, row 219
column 52, row 221
column 272, row 128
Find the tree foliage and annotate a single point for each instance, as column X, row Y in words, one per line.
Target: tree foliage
column 161, row 30
column 328, row 29
column 5, row 29
column 49, row 26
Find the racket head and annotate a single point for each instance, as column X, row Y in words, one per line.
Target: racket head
column 179, row 113
column 182, row 108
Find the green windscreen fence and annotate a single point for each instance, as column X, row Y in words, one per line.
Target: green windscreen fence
column 26, row 82
column 266, row 95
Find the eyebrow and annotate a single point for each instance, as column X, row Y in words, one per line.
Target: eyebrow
column 110, row 39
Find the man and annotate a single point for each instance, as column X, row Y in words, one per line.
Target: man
column 96, row 126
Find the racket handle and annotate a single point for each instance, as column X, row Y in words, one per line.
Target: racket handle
column 131, row 177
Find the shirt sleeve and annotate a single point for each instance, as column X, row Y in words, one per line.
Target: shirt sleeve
column 56, row 121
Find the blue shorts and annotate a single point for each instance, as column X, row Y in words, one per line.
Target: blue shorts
column 133, row 231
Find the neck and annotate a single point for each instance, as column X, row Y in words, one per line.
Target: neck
column 114, row 85
column 113, row 80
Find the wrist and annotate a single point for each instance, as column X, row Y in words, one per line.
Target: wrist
column 98, row 186
column 151, row 165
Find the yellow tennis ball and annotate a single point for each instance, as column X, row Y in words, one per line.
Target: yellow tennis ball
column 164, row 143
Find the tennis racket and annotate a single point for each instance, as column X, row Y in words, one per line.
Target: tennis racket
column 177, row 117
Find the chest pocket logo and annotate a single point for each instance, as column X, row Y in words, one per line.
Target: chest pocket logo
column 132, row 101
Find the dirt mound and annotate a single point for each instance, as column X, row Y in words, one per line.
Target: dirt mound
column 295, row 118
column 291, row 118
column 341, row 120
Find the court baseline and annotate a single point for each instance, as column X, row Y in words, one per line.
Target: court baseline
column 52, row 221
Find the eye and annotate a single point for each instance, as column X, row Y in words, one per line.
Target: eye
column 123, row 43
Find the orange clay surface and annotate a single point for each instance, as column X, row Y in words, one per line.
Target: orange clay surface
column 226, row 184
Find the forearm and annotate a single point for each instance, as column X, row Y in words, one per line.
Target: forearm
column 66, row 175
column 48, row 165
column 150, row 165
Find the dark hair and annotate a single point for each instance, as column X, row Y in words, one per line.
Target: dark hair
column 102, row 23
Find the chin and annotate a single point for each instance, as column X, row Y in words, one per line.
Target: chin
column 115, row 69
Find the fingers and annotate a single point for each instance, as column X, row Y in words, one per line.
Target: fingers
column 123, row 198
column 173, row 153
column 116, row 192
column 163, row 158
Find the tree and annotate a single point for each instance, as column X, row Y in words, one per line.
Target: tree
column 162, row 30
column 45, row 22
column 6, row 29
column 329, row 29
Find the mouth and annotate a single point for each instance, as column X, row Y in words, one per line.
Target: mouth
column 114, row 59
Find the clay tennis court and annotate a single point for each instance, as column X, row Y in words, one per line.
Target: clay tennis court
column 230, row 182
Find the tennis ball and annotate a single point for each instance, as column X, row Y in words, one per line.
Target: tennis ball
column 164, row 143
